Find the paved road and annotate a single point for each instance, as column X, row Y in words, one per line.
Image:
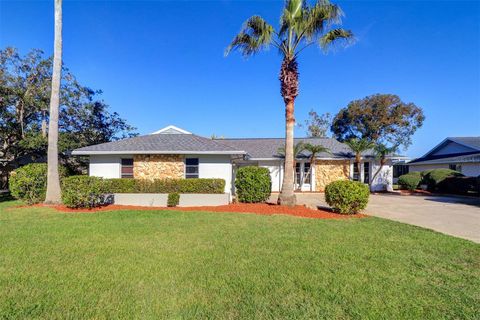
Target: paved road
column 456, row 216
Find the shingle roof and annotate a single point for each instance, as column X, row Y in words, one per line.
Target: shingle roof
column 160, row 143
column 472, row 142
column 449, row 158
column 267, row 148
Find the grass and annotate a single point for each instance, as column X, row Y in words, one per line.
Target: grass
column 166, row 264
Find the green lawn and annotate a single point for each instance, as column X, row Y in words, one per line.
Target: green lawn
column 165, row 264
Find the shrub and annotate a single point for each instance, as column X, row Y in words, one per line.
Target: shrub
column 253, row 184
column 29, row 183
column 410, row 181
column 164, row 186
column 460, row 185
column 173, row 199
column 432, row 178
column 347, row 197
column 83, row 192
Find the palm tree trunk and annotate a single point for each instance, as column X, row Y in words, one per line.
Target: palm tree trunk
column 53, row 195
column 287, row 195
column 359, row 166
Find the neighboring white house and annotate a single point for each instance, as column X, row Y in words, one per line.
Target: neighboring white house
column 457, row 153
column 176, row 153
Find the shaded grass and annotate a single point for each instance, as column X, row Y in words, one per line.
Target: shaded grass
column 166, row 264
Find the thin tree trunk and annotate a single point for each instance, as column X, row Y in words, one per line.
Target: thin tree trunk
column 53, row 195
column 287, row 195
column 382, row 163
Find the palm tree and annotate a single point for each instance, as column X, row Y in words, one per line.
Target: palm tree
column 314, row 149
column 358, row 146
column 381, row 153
column 298, row 148
column 301, row 26
column 53, row 195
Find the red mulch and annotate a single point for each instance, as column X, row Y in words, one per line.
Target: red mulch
column 255, row 208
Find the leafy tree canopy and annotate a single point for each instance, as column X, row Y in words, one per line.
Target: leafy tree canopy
column 380, row 118
column 318, row 126
column 25, row 84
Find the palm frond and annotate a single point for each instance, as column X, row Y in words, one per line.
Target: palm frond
column 255, row 34
column 297, row 149
column 335, row 36
column 323, row 14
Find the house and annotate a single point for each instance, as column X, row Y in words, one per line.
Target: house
column 176, row 153
column 457, row 153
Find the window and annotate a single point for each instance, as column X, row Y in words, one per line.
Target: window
column 298, row 172
column 191, row 168
column 127, row 168
column 306, row 173
column 366, row 172
column 356, row 174
column 456, row 167
column 399, row 170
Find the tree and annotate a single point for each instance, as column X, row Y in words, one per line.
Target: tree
column 317, row 125
column 298, row 148
column 358, row 146
column 53, row 195
column 314, row 151
column 301, row 26
column 381, row 153
column 25, row 87
column 381, row 118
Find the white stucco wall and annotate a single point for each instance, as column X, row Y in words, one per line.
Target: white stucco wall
column 105, row 166
column 210, row 166
column 276, row 172
column 215, row 166
column 384, row 180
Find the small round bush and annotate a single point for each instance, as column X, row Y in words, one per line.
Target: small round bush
column 347, row 197
column 410, row 181
column 29, row 183
column 253, row 184
column 432, row 178
column 173, row 199
column 83, row 192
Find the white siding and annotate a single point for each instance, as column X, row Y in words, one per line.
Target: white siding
column 423, row 167
column 215, row 166
column 105, row 166
column 276, row 172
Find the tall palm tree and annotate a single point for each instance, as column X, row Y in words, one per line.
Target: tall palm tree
column 301, row 26
column 381, row 153
column 314, row 150
column 53, row 195
column 298, row 148
column 358, row 146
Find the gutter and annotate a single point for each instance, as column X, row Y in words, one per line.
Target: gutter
column 87, row 153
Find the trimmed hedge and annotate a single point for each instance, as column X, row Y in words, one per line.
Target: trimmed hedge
column 347, row 197
column 29, row 183
column 410, row 181
column 165, row 186
column 173, row 199
column 83, row 192
column 432, row 178
column 253, row 184
column 460, row 185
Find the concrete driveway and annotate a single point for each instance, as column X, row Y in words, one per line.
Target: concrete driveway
column 456, row 216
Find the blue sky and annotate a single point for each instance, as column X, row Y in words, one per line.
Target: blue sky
column 161, row 62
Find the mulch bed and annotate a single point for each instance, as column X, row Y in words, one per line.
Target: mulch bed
column 251, row 208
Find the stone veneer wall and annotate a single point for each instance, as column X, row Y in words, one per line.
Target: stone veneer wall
column 158, row 166
column 327, row 171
